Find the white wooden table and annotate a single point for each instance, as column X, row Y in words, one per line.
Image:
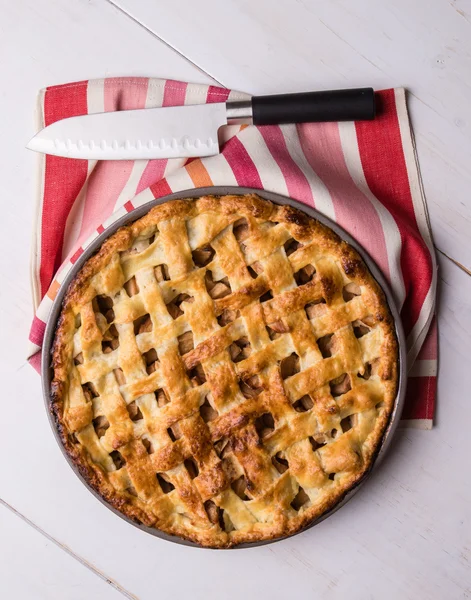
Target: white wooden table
column 407, row 534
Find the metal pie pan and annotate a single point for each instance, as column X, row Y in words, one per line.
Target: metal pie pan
column 46, row 370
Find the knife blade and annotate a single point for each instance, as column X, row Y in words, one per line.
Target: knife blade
column 188, row 131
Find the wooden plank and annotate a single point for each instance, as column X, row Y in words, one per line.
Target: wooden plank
column 266, row 47
column 32, row 566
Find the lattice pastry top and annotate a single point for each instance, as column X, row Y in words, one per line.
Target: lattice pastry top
column 224, row 369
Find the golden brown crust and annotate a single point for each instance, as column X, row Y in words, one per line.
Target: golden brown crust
column 232, row 400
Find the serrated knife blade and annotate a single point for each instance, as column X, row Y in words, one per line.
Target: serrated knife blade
column 186, row 131
column 169, row 132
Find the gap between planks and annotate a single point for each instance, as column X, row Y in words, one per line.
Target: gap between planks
column 454, row 261
column 70, row 552
column 140, row 24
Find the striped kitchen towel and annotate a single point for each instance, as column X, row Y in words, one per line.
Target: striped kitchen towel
column 362, row 175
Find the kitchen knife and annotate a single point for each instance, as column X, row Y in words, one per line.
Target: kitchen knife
column 181, row 131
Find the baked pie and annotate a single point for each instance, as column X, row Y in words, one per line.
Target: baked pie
column 224, row 369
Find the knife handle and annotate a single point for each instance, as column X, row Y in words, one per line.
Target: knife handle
column 309, row 107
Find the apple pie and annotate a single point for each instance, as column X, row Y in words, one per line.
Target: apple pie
column 224, row 369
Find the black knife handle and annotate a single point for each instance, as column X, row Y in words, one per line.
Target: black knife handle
column 309, row 107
